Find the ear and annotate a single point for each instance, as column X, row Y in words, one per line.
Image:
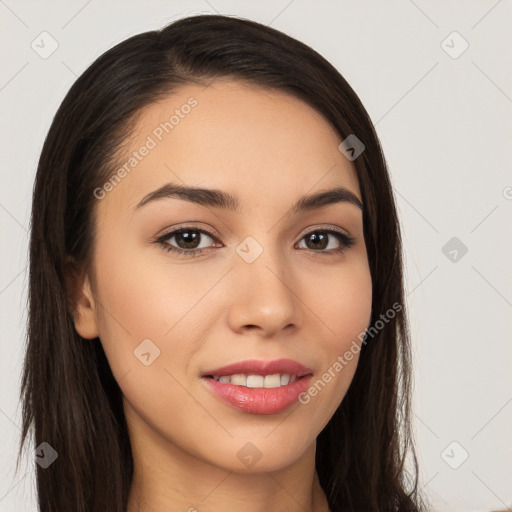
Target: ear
column 82, row 303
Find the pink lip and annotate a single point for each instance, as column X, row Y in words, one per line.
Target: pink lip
column 260, row 400
column 255, row 367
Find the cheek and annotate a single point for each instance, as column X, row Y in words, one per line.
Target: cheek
column 130, row 305
column 342, row 300
column 344, row 304
column 150, row 299
column 150, row 333
column 145, row 298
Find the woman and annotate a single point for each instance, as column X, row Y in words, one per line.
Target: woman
column 216, row 297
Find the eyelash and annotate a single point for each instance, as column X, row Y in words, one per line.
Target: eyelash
column 345, row 240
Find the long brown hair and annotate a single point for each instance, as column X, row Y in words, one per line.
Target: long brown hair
column 70, row 397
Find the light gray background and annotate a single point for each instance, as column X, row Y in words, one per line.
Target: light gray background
column 445, row 124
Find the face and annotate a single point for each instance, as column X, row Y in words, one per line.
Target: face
column 185, row 285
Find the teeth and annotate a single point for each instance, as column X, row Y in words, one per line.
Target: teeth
column 258, row 381
column 255, row 381
column 239, row 379
column 272, row 381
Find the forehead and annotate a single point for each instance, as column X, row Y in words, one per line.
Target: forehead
column 251, row 141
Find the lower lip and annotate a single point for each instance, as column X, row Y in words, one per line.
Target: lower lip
column 259, row 400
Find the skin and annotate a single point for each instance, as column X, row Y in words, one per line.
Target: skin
column 268, row 149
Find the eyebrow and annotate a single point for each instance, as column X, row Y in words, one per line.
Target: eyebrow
column 220, row 199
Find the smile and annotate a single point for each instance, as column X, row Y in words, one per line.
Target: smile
column 259, row 387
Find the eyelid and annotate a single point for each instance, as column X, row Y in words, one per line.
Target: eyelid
column 326, row 227
column 186, row 225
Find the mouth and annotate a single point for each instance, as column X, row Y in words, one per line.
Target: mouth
column 259, row 387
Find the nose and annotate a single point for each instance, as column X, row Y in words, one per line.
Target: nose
column 265, row 296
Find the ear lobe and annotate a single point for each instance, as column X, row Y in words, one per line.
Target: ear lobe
column 82, row 303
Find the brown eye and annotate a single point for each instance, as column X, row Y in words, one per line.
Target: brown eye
column 319, row 241
column 186, row 240
column 189, row 239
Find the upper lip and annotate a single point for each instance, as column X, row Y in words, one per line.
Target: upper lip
column 257, row 367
